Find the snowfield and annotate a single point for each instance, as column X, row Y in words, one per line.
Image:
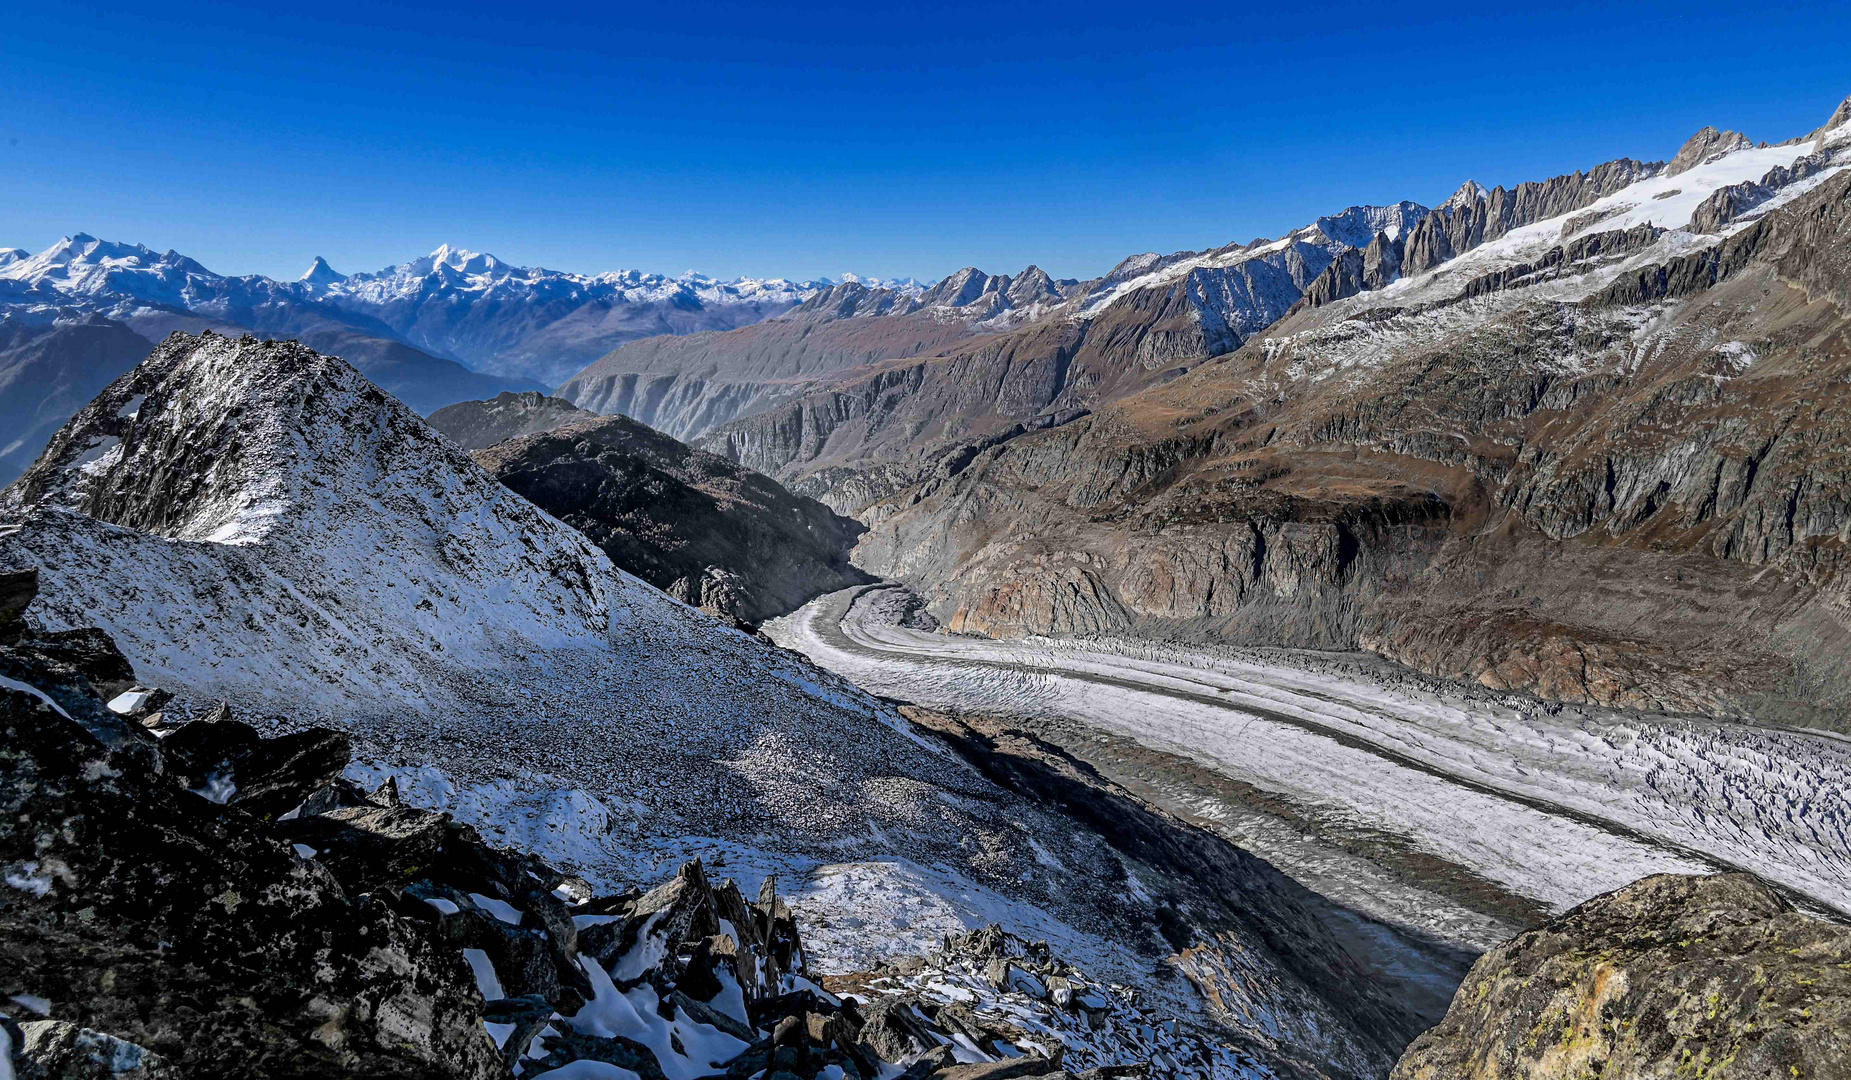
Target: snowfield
column 1551, row 804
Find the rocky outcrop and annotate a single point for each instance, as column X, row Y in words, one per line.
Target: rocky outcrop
column 706, row 531
column 153, row 915
column 1671, row 976
column 1356, row 271
column 1473, row 216
column 474, row 425
column 1706, row 145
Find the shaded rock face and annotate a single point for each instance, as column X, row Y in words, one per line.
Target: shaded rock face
column 154, row 915
column 1668, row 977
column 474, row 425
column 706, row 531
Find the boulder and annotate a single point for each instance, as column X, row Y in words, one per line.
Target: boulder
column 265, row 777
column 1712, row 976
column 17, row 589
column 369, row 847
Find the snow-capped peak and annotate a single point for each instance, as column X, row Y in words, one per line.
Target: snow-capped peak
column 469, row 262
column 1358, row 226
column 9, row 256
column 1469, row 192
column 320, row 273
column 82, row 265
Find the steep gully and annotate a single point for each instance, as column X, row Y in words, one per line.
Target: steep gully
column 1457, row 823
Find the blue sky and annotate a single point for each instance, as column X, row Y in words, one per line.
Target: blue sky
column 811, row 140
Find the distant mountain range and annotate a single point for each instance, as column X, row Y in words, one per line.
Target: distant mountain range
column 452, row 326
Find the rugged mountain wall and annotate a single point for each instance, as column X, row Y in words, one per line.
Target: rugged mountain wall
column 474, row 425
column 833, row 359
column 687, row 386
column 1599, row 468
column 697, row 526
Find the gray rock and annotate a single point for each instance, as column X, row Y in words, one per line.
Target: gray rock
column 1706, row 144
column 1702, row 976
column 58, row 1050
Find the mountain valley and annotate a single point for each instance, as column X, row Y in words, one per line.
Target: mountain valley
column 1413, row 647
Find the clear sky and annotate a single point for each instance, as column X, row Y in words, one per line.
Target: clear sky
column 806, row 140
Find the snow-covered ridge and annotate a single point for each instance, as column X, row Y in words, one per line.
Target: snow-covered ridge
column 462, row 270
column 82, row 265
column 1665, row 200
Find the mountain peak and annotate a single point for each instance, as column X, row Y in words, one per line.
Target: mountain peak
column 1840, row 118
column 320, row 273
column 1469, row 192
column 1707, row 143
column 469, row 262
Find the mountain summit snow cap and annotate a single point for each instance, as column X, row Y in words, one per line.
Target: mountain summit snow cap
column 320, row 273
column 1469, row 192
column 469, row 262
column 1704, row 145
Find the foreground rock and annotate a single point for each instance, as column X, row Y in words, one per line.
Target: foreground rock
column 1713, row 977
column 704, row 530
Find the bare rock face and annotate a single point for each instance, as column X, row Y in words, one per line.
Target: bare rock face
column 161, row 917
column 1671, row 976
column 473, row 425
column 1704, row 145
column 710, row 533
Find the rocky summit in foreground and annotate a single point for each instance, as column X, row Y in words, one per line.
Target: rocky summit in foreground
column 699, row 527
column 197, row 901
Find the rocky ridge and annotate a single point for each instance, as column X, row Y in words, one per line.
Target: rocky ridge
column 1558, row 462
column 706, row 531
column 257, row 525
column 846, row 358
